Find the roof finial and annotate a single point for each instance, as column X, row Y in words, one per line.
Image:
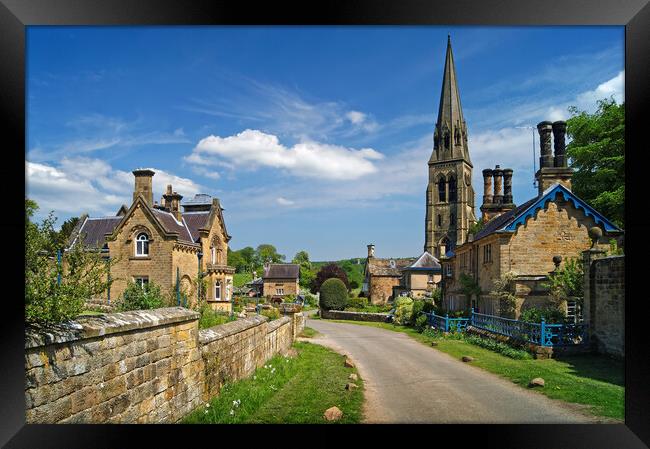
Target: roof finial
column 448, row 39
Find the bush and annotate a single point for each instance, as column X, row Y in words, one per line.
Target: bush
column 403, row 310
column 333, row 295
column 271, row 314
column 418, row 306
column 137, row 297
column 329, row 271
column 499, row 347
column 428, row 306
column 357, row 303
column 421, row 322
column 289, row 298
column 211, row 317
column 310, row 300
column 550, row 314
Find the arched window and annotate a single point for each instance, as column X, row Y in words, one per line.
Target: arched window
column 142, row 245
column 217, row 291
column 441, row 189
column 452, row 189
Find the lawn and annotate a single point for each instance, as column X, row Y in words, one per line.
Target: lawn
column 287, row 390
column 593, row 380
column 308, row 332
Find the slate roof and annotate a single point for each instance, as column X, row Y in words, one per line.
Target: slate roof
column 169, row 222
column 382, row 267
column 511, row 219
column 282, row 271
column 425, row 262
column 200, row 199
column 195, row 221
column 95, row 229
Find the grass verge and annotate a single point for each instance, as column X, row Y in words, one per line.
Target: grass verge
column 589, row 379
column 308, row 332
column 287, row 390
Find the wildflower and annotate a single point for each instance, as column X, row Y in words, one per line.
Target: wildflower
column 205, row 411
column 232, row 412
column 207, row 405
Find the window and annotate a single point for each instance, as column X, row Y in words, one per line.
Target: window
column 142, row 245
column 487, row 253
column 441, row 190
column 452, row 189
column 141, row 280
column 217, row 291
column 449, row 273
column 439, row 220
column 279, row 291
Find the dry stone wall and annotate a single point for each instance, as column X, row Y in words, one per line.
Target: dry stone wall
column 152, row 366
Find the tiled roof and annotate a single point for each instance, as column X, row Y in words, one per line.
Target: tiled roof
column 384, row 267
column 502, row 220
column 282, row 271
column 425, row 262
column 94, row 230
column 195, row 221
column 169, row 222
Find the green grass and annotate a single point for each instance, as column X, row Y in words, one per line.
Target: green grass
column 211, row 318
column 288, row 390
column 589, row 379
column 91, row 312
column 309, row 332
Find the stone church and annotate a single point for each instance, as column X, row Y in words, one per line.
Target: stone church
column 160, row 243
column 450, row 196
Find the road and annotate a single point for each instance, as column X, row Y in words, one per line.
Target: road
column 408, row 382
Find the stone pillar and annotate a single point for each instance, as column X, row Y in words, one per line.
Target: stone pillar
column 546, row 156
column 294, row 312
column 507, row 185
column 559, row 144
column 498, row 176
column 588, row 308
column 487, row 186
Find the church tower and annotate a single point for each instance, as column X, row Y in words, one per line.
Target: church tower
column 450, row 196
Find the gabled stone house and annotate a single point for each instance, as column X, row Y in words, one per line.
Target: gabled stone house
column 523, row 240
column 420, row 278
column 162, row 244
column 280, row 280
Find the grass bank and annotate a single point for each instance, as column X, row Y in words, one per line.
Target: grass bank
column 593, row 380
column 287, row 390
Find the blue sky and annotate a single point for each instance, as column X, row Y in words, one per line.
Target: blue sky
column 314, row 138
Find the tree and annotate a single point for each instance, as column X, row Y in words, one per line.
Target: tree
column 333, row 294
column 267, row 253
column 329, row 271
column 56, row 292
column 476, row 226
column 236, row 260
column 504, row 291
column 597, row 153
column 302, row 258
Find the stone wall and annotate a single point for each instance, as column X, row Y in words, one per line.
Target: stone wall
column 355, row 316
column 152, row 366
column 381, row 288
column 604, row 304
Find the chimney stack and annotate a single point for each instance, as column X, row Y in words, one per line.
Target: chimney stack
column 173, row 202
column 143, row 185
column 559, row 131
column 487, row 186
column 507, row 185
column 545, row 156
column 498, row 195
column 371, row 251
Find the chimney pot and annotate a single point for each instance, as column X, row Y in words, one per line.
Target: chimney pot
column 546, row 157
column 559, row 132
column 371, row 250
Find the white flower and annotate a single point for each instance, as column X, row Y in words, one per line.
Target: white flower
column 232, row 412
column 207, row 405
column 205, row 411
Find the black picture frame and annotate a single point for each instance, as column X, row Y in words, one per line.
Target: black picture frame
column 15, row 15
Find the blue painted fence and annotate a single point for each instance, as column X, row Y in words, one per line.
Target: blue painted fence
column 542, row 334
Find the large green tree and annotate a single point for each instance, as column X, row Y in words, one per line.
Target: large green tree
column 597, row 153
column 268, row 253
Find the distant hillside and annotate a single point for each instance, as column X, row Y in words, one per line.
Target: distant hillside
column 353, row 267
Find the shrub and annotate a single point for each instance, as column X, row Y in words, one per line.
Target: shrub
column 357, row 303
column 140, row 297
column 567, row 281
column 329, row 271
column 499, row 347
column 354, row 284
column 428, row 306
column 403, row 310
column 271, row 314
column 310, row 300
column 211, row 317
column 421, row 322
column 289, row 298
column 333, row 295
column 504, row 290
column 418, row 306
column 550, row 314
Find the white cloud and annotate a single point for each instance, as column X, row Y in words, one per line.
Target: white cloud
column 613, row 87
column 251, row 149
column 356, row 117
column 285, row 202
column 79, row 185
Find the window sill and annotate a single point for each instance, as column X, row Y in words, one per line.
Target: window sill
column 140, row 258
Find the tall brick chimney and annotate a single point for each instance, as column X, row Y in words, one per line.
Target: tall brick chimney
column 487, row 186
column 507, row 186
column 553, row 168
column 143, row 185
column 500, row 201
column 371, row 251
column 498, row 176
column 173, row 202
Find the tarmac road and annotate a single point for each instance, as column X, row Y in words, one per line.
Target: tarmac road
column 408, row 382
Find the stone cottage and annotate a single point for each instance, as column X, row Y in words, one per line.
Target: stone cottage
column 381, row 275
column 280, row 280
column 420, row 278
column 159, row 243
column 525, row 239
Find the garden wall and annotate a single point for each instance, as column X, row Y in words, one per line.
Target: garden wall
column 150, row 366
column 356, row 316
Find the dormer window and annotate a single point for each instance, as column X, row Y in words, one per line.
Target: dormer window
column 142, row 245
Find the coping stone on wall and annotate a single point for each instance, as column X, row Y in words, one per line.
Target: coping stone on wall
column 273, row 325
column 88, row 327
column 234, row 327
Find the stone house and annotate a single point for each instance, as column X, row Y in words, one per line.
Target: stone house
column 381, row 275
column 280, row 280
column 525, row 239
column 162, row 244
column 420, row 278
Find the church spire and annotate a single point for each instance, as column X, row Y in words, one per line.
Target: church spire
column 450, row 137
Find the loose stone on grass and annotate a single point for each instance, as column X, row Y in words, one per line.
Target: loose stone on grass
column 348, row 363
column 353, row 377
column 351, row 386
column 467, row 358
column 333, row 414
column 536, row 382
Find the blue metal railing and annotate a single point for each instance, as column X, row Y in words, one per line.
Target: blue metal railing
column 543, row 334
